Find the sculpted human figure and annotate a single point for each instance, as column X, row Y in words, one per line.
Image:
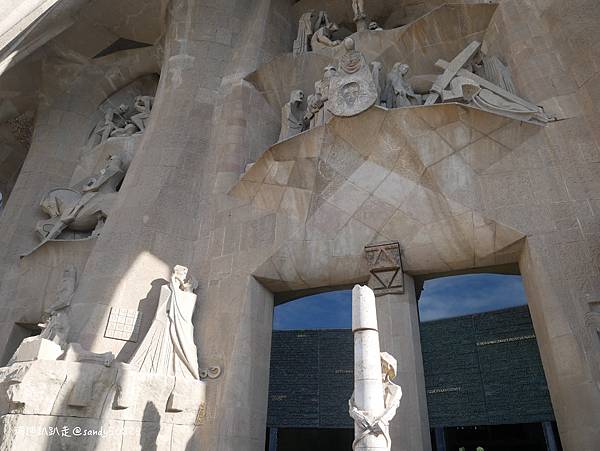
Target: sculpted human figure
column 398, row 92
column 305, row 31
column 168, row 348
column 466, row 90
column 143, row 106
column 314, row 103
column 323, row 115
column 392, row 394
column 56, row 327
column 378, row 78
column 113, row 119
column 322, row 20
column 374, row 26
column 352, row 61
column 83, row 207
column 323, row 37
column 292, row 115
column 494, row 70
column 358, row 6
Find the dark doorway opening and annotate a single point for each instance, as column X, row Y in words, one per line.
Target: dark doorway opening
column 505, row 437
column 313, row 439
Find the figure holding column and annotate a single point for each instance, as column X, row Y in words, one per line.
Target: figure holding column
column 375, row 398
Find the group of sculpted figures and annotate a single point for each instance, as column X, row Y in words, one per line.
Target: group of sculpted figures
column 472, row 77
column 125, row 120
column 167, row 349
column 79, row 211
column 315, row 30
column 82, row 208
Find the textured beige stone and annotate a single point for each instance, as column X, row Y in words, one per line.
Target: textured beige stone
column 459, row 188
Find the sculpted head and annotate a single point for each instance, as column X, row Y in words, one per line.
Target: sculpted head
column 376, row 65
column 122, row 108
column 297, row 96
column 180, row 272
column 186, row 281
column 349, row 44
column 389, row 366
column 329, row 71
column 401, row 68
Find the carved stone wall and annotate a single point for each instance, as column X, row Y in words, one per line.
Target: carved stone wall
column 457, row 187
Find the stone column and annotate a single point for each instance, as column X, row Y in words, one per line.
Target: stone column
column 172, row 209
column 561, row 283
column 398, row 319
column 368, row 387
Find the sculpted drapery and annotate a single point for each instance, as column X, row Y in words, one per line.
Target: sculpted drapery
column 168, row 348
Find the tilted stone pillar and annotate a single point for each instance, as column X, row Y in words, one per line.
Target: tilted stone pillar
column 398, row 319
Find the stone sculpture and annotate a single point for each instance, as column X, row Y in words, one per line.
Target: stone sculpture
column 135, row 123
column 52, row 343
column 376, row 398
column 305, row 31
column 378, row 79
column 451, row 71
column 323, row 37
column 398, row 92
column 493, row 70
column 292, row 115
column 374, row 26
column 306, row 28
column 323, row 115
column 113, row 119
column 83, row 207
column 360, row 17
column 168, row 348
column 143, row 106
column 470, row 88
column 314, row 103
column 56, row 326
column 461, row 89
column 352, row 90
column 123, row 121
column 317, row 113
column 53, row 340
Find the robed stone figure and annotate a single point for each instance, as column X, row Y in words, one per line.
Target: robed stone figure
column 168, row 348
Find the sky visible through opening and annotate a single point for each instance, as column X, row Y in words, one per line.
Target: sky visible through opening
column 446, row 297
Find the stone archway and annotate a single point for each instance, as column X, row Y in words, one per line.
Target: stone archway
column 445, row 182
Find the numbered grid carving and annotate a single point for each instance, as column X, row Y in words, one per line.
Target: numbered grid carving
column 123, row 324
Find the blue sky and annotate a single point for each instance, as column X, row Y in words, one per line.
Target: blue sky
column 441, row 298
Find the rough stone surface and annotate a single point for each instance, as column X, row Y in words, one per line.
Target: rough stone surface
column 457, row 187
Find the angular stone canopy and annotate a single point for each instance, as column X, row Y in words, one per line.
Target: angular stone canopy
column 412, row 174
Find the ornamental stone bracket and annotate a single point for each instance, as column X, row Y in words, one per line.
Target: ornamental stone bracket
column 385, row 266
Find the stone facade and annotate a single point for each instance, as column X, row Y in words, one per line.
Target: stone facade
column 458, row 187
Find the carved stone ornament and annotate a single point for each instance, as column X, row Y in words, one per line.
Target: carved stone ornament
column 352, row 90
column 385, row 266
column 212, row 372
